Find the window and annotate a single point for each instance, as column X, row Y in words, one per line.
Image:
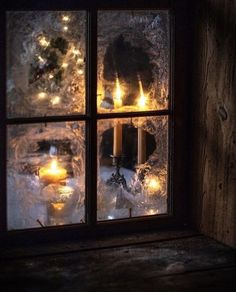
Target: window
column 89, row 118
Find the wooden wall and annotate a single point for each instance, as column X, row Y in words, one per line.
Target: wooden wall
column 214, row 120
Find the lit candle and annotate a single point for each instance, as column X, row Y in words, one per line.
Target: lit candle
column 118, row 95
column 142, row 101
column 117, row 142
column 52, row 173
column 141, row 133
column 141, row 146
column 117, row 135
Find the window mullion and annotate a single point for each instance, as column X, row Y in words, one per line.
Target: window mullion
column 91, row 169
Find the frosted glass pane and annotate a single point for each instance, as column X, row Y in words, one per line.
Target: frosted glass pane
column 45, row 63
column 45, row 174
column 132, row 167
column 133, row 61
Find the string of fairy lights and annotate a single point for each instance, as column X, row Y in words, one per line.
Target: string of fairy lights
column 57, row 69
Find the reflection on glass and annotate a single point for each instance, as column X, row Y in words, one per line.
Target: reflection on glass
column 45, row 174
column 133, row 61
column 45, row 63
column 132, row 167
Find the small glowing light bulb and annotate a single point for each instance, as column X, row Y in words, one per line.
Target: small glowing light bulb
column 65, row 18
column 65, row 28
column 41, row 95
column 41, row 60
column 152, row 184
column 43, row 41
column 80, row 71
column 51, row 76
column 79, row 61
column 64, row 65
column 55, row 100
column 76, row 52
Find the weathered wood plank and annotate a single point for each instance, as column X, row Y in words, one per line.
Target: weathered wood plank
column 214, row 120
column 139, row 267
column 100, row 243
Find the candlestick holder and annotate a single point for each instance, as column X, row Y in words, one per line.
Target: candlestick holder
column 117, row 178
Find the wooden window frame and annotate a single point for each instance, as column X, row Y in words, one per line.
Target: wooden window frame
column 179, row 183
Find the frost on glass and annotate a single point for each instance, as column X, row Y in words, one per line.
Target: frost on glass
column 45, row 174
column 137, row 184
column 45, row 63
column 133, row 60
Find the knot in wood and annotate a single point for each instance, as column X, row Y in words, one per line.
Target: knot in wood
column 222, row 113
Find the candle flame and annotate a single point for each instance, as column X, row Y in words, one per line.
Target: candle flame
column 142, row 99
column 53, row 165
column 52, row 172
column 118, row 94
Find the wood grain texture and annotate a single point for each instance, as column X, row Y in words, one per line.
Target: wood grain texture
column 189, row 264
column 214, row 120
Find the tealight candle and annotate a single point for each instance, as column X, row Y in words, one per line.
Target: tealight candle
column 58, row 206
column 118, row 95
column 52, row 173
column 117, row 133
column 141, row 133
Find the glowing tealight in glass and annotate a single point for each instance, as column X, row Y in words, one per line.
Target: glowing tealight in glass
column 52, row 173
column 58, row 206
column 152, row 184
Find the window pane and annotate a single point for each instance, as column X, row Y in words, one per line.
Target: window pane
column 45, row 63
column 133, row 61
column 45, row 174
column 132, row 167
